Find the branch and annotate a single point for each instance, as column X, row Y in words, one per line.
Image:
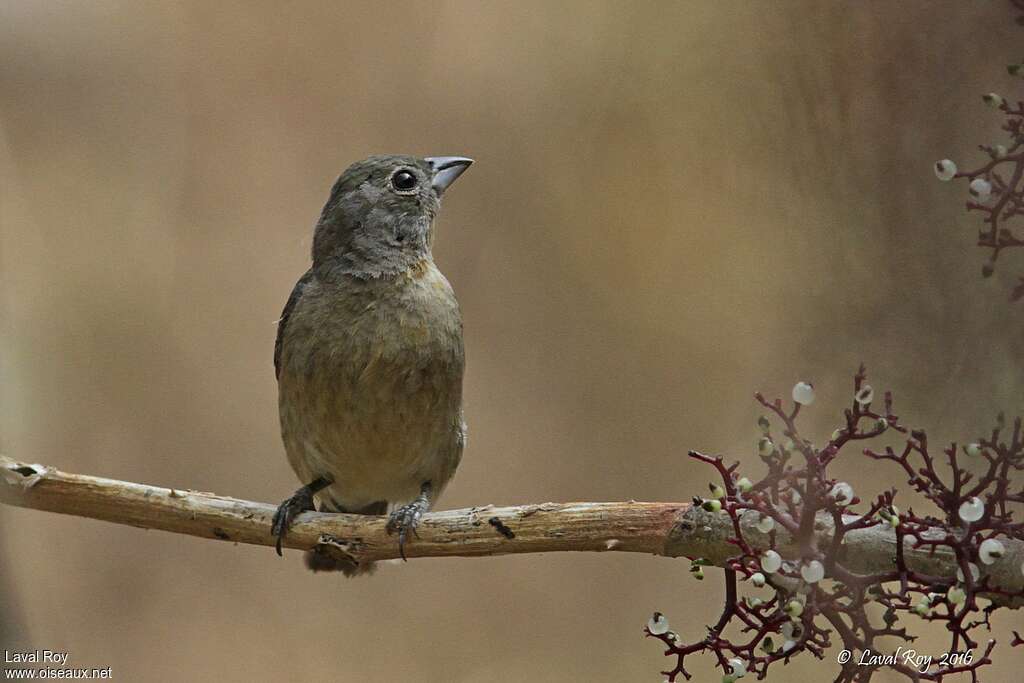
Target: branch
column 666, row 529
column 478, row 531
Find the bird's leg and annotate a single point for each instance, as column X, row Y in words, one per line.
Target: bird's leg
column 406, row 518
column 301, row 501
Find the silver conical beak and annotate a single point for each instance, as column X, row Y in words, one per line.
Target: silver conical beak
column 446, row 170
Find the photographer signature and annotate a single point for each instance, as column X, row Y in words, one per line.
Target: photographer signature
column 909, row 657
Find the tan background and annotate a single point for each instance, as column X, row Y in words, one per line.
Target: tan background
column 674, row 204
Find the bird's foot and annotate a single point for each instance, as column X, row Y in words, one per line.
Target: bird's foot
column 301, row 501
column 407, row 518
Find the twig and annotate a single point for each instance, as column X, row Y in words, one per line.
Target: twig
column 666, row 529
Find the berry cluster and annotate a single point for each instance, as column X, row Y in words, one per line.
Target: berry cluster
column 790, row 530
column 996, row 188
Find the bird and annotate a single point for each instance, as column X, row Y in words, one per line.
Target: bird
column 369, row 355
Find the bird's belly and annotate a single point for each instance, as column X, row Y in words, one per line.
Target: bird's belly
column 379, row 424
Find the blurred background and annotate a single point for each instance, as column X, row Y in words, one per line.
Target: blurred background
column 673, row 205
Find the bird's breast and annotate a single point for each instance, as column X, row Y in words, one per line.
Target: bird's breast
column 371, row 379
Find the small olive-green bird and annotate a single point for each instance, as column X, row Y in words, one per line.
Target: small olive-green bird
column 369, row 354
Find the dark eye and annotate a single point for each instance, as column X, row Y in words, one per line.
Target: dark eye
column 403, row 180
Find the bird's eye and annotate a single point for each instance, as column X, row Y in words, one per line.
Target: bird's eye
column 403, row 180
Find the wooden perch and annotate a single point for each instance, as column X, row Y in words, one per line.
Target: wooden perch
column 666, row 529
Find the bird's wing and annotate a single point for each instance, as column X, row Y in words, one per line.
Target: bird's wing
column 285, row 314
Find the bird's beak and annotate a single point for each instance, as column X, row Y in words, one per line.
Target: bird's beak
column 446, row 170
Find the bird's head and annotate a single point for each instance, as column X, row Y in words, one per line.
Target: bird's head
column 379, row 218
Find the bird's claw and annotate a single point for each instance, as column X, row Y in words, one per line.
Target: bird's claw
column 301, row 501
column 407, row 518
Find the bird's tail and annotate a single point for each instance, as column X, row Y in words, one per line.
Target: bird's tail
column 319, row 561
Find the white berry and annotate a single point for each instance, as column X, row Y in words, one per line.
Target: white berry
column 975, row 572
column 865, row 395
column 803, row 393
column 771, row 561
column 657, row 624
column 765, row 524
column 993, row 100
column 945, row 170
column 842, row 493
column 990, row 550
column 813, row 571
column 980, row 189
column 972, row 509
column 738, row 668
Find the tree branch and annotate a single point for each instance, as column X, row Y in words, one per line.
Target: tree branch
column 666, row 529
